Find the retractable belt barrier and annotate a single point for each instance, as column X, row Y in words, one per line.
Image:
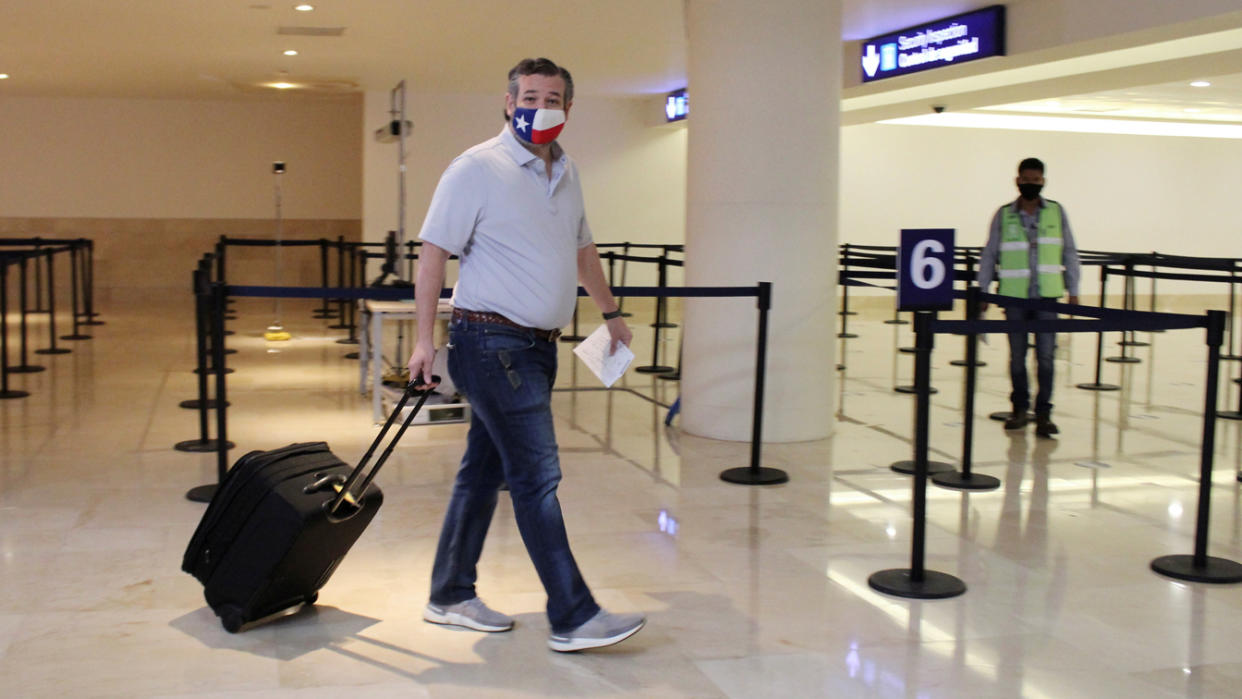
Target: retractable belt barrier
column 212, row 299
column 916, row 581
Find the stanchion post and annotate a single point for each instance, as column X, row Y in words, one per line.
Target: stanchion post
column 661, row 313
column 756, row 474
column 917, row 582
column 25, row 367
column 655, row 367
column 349, row 306
column 625, row 265
column 1099, row 343
column 843, row 277
column 73, row 295
column 967, row 479
column 1201, row 567
column 51, row 306
column 5, row 391
column 339, row 311
column 88, row 285
column 323, row 311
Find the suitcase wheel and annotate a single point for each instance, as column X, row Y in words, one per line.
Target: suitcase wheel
column 311, row 598
column 231, row 619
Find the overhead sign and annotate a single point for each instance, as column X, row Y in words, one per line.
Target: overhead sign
column 946, row 42
column 925, row 269
column 677, row 105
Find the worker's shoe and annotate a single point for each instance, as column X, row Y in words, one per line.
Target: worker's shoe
column 1044, row 426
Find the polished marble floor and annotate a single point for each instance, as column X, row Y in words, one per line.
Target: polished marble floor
column 750, row 592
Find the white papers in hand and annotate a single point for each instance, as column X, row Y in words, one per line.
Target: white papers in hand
column 594, row 353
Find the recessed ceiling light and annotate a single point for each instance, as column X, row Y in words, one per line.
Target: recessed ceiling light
column 282, row 85
column 1200, row 83
column 291, row 52
column 4, row 76
column 303, row 7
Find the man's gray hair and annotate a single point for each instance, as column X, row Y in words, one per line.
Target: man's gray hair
column 540, row 66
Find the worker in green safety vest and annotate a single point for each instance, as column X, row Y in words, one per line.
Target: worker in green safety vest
column 1031, row 251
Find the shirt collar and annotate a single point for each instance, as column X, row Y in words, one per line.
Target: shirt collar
column 1016, row 206
column 520, row 154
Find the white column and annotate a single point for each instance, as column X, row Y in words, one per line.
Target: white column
column 761, row 205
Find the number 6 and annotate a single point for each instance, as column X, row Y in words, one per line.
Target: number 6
column 925, row 271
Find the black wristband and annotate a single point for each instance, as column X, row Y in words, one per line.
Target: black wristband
column 612, row 314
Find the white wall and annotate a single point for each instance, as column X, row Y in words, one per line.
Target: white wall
column 633, row 172
column 1122, row 193
column 177, row 159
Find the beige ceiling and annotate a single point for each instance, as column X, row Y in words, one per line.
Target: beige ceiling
column 223, row 49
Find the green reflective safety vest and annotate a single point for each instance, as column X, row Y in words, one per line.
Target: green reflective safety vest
column 1014, row 270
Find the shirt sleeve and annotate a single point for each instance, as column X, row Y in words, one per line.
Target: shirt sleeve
column 987, row 258
column 1069, row 256
column 455, row 207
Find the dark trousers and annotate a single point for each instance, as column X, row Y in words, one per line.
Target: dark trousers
column 507, row 375
column 1045, row 348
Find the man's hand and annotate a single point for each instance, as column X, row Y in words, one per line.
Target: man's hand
column 420, row 363
column 620, row 333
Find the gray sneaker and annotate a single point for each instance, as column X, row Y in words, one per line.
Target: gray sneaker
column 471, row 614
column 601, row 630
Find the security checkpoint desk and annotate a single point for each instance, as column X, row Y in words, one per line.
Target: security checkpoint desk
column 371, row 345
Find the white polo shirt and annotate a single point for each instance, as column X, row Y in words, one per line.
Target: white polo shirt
column 516, row 231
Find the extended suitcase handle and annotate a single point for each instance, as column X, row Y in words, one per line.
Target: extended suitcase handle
column 333, row 506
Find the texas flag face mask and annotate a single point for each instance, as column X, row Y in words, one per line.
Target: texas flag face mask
column 538, row 126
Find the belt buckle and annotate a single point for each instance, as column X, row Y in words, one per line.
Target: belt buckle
column 554, row 335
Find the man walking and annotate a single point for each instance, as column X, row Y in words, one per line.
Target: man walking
column 511, row 208
column 1032, row 252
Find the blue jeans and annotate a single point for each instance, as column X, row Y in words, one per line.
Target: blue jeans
column 507, row 375
column 1045, row 347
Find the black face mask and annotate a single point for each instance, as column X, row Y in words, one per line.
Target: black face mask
column 1030, row 192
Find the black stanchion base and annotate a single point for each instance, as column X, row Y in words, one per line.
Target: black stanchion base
column 351, row 355
column 1229, row 414
column 13, row 394
column 1231, row 357
column 1099, row 387
column 230, row 350
column 75, row 336
column 322, row 315
column 663, row 325
column 212, row 370
column 907, row 350
column 229, row 332
column 901, row 583
column 26, row 369
column 53, row 350
column 347, row 341
column 847, row 335
column 339, row 326
column 572, row 338
column 97, row 313
column 907, row 467
column 1123, row 360
column 672, row 376
column 914, row 389
column 194, row 404
column 955, row 480
column 201, row 445
column 847, row 313
column 963, row 362
column 896, row 321
column 1134, row 343
column 840, row 367
column 202, row 493
column 754, row 476
column 230, row 316
column 1182, row 567
column 91, row 322
column 654, row 369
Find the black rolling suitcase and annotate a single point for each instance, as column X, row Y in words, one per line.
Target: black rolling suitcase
column 280, row 523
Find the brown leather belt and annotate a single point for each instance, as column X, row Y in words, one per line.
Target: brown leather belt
column 485, row 317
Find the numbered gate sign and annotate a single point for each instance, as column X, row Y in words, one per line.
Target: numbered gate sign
column 925, row 269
